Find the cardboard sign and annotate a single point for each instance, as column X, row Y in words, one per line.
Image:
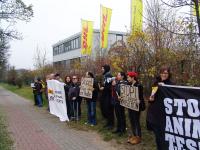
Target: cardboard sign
column 86, row 88
column 129, row 97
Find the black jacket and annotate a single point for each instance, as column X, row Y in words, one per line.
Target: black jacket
column 74, row 91
column 67, row 87
column 38, row 88
column 152, row 112
column 107, row 83
column 116, row 91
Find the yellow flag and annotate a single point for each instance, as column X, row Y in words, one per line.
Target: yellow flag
column 194, row 10
column 105, row 25
column 86, row 37
column 136, row 15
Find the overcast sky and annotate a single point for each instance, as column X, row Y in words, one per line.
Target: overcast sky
column 56, row 20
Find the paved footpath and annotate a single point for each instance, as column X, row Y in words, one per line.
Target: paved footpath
column 35, row 129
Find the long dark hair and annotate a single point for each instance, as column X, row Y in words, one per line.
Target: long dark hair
column 90, row 74
column 66, row 78
column 124, row 75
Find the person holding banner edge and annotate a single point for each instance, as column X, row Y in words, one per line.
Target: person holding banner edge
column 152, row 114
column 67, row 87
column 134, row 116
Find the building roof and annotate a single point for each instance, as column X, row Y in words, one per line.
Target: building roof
column 79, row 33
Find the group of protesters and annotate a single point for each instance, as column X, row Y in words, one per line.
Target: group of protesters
column 109, row 100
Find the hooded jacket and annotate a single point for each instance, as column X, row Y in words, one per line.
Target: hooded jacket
column 107, row 79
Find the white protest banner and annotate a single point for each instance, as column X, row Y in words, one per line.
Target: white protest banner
column 57, row 101
column 129, row 97
column 86, row 87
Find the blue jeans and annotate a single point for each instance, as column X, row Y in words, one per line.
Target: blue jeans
column 91, row 106
column 39, row 100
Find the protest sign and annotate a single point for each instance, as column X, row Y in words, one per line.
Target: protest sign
column 86, row 88
column 129, row 97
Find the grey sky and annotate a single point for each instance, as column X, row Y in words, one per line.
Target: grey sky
column 56, row 20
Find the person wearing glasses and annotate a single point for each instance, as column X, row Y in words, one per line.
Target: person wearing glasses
column 75, row 99
column 152, row 113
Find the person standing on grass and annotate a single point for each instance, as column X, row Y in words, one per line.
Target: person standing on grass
column 152, row 113
column 119, row 110
column 67, row 87
column 91, row 103
column 134, row 116
column 38, row 87
column 75, row 99
column 35, row 92
column 106, row 106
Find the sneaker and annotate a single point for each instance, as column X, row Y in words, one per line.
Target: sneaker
column 86, row 123
column 130, row 138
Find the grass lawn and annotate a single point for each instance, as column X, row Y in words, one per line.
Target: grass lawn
column 6, row 142
column 148, row 142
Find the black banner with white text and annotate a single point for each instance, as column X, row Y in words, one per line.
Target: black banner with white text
column 179, row 109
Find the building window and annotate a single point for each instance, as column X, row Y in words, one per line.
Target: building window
column 72, row 45
column 74, row 42
column 119, row 37
column 55, row 50
column 79, row 42
column 60, row 49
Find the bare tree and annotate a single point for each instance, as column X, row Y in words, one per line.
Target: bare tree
column 40, row 61
column 194, row 6
column 10, row 12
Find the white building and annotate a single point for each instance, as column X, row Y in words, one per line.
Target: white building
column 69, row 49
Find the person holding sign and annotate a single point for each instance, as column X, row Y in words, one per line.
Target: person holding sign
column 91, row 103
column 152, row 112
column 119, row 110
column 134, row 115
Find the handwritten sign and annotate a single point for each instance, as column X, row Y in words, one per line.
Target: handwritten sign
column 86, row 88
column 129, row 97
